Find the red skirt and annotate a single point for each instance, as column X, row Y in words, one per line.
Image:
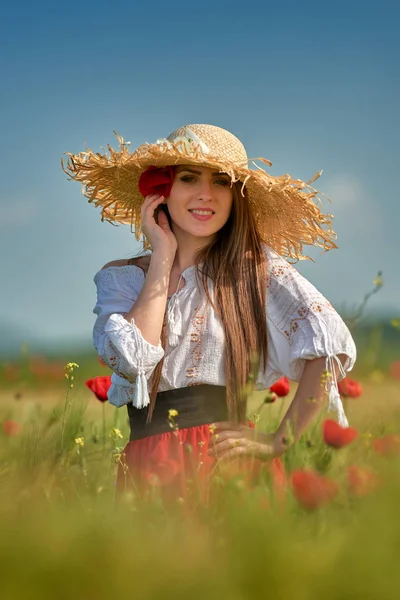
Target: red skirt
column 175, row 462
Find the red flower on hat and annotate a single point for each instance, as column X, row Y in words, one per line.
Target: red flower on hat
column 350, row 388
column 389, row 445
column 155, row 180
column 281, row 387
column 11, row 428
column 99, row 386
column 337, row 436
column 312, row 490
column 361, row 481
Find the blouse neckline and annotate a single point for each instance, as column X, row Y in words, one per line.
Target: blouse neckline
column 188, row 274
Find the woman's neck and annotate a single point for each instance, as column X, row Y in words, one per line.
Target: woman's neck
column 188, row 247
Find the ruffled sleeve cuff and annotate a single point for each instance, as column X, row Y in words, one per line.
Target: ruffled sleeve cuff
column 130, row 356
column 315, row 342
column 120, row 331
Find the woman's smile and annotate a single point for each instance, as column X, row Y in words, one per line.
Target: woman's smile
column 201, row 214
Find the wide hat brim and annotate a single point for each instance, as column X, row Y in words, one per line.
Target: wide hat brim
column 286, row 210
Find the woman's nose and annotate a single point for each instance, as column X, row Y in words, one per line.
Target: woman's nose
column 205, row 192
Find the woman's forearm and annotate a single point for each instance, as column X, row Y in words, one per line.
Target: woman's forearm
column 306, row 404
column 149, row 308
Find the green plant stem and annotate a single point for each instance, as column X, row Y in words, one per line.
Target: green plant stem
column 104, row 426
column 66, row 404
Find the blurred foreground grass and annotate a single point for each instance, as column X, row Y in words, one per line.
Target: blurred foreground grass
column 64, row 535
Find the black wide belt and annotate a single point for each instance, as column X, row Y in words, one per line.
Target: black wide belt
column 196, row 405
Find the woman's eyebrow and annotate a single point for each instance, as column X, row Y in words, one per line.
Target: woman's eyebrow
column 199, row 172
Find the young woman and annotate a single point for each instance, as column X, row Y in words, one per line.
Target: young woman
column 213, row 311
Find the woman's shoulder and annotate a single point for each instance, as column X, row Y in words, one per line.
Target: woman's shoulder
column 123, row 272
column 115, row 263
column 141, row 262
column 280, row 270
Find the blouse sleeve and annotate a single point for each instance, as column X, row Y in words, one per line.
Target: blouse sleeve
column 303, row 325
column 119, row 343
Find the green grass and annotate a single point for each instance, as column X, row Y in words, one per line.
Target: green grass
column 64, row 535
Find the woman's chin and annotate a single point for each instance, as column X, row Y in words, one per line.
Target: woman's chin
column 202, row 230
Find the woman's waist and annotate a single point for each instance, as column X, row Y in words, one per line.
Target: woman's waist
column 180, row 408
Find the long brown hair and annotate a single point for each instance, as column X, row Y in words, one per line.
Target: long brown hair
column 236, row 264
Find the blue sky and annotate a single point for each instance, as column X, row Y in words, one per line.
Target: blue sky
column 308, row 85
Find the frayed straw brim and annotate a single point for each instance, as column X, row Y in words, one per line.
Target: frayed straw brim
column 287, row 211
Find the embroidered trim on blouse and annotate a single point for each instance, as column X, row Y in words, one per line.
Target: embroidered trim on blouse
column 196, row 338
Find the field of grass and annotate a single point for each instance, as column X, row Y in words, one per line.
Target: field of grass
column 64, row 535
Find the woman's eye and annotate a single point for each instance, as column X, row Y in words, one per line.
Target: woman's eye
column 191, row 179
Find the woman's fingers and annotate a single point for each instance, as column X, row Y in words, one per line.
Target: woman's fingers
column 157, row 231
column 227, row 426
column 150, row 204
column 225, row 445
column 234, row 447
column 225, row 435
column 163, row 221
column 147, row 212
column 233, row 453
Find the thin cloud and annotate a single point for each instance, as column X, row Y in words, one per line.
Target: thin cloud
column 351, row 202
column 18, row 213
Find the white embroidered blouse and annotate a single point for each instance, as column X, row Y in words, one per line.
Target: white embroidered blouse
column 301, row 325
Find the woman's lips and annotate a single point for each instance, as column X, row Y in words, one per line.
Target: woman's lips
column 202, row 217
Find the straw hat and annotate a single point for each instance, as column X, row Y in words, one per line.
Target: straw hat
column 286, row 210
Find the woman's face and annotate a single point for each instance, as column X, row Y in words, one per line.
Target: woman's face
column 200, row 201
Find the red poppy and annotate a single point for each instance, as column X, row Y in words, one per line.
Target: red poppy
column 350, row 388
column 281, row 387
column 389, row 445
column 156, row 181
column 38, row 366
column 394, row 369
column 56, row 371
column 337, row 436
column 11, row 372
column 11, row 428
column 312, row 490
column 361, row 481
column 99, row 387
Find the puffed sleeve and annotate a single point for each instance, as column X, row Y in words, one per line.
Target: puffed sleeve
column 119, row 343
column 303, row 325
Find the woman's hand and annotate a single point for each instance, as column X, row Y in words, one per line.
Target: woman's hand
column 160, row 236
column 231, row 441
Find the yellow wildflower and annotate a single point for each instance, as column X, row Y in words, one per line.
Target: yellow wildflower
column 172, row 413
column 80, row 441
column 69, row 370
column 115, row 433
column 326, row 375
